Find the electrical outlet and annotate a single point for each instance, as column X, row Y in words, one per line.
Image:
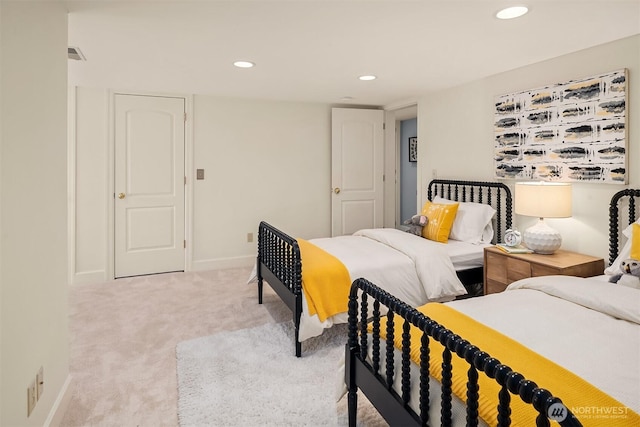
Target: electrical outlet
column 31, row 397
column 199, row 173
column 39, row 383
column 249, row 237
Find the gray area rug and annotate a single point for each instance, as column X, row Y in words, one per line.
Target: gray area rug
column 251, row 377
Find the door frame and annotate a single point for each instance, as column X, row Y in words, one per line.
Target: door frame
column 188, row 172
column 393, row 116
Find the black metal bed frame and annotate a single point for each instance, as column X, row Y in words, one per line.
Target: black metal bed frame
column 393, row 405
column 629, row 195
column 280, row 265
column 279, row 262
column 478, row 192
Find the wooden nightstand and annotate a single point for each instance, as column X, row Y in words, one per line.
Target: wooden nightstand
column 501, row 268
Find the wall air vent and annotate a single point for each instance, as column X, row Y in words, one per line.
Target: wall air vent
column 75, row 53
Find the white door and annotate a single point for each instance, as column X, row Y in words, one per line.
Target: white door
column 149, row 185
column 357, row 170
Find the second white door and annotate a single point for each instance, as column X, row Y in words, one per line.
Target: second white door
column 357, row 170
column 149, row 184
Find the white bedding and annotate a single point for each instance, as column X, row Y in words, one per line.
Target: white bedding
column 411, row 268
column 588, row 326
column 466, row 255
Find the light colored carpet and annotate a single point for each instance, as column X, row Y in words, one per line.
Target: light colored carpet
column 124, row 335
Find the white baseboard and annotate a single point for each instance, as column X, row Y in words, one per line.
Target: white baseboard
column 221, row 263
column 99, row 276
column 60, row 405
column 89, row 277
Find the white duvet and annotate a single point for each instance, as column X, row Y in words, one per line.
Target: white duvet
column 588, row 326
column 413, row 269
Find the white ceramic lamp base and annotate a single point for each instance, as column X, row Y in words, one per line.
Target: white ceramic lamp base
column 542, row 239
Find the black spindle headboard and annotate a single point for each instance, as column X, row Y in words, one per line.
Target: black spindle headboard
column 621, row 199
column 495, row 194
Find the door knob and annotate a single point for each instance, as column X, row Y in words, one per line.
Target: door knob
column 121, row 196
column 336, row 190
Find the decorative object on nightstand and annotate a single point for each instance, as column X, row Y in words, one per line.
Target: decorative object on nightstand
column 513, row 243
column 512, row 238
column 518, row 249
column 544, row 200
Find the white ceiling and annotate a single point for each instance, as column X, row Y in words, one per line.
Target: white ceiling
column 314, row 50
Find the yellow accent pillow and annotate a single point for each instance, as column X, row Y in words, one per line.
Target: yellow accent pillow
column 635, row 241
column 441, row 217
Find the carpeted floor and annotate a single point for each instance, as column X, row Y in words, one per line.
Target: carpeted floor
column 249, row 377
column 124, row 335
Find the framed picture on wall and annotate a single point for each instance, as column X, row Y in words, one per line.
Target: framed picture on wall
column 413, row 149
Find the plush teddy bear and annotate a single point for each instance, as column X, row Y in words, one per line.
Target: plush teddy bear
column 415, row 224
column 630, row 275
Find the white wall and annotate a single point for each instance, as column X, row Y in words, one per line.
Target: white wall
column 268, row 160
column 455, row 129
column 88, row 177
column 263, row 160
column 33, row 261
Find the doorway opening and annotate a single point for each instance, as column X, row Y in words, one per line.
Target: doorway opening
column 406, row 169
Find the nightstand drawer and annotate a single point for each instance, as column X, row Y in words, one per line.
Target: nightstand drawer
column 517, row 269
column 496, row 268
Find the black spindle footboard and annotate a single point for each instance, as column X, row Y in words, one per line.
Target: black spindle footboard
column 279, row 264
column 364, row 372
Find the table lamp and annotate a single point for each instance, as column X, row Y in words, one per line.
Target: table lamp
column 544, row 200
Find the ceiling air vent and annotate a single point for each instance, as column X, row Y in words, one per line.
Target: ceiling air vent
column 75, row 53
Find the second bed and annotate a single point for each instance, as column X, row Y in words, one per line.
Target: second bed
column 413, row 268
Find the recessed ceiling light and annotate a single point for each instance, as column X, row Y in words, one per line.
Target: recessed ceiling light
column 512, row 12
column 370, row 77
column 346, row 98
column 244, row 64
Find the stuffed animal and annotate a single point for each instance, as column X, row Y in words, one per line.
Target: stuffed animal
column 630, row 275
column 415, row 224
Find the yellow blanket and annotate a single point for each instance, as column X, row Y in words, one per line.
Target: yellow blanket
column 325, row 281
column 590, row 405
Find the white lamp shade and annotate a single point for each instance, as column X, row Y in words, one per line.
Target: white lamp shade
column 543, row 199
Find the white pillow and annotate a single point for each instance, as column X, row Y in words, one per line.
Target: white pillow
column 625, row 252
column 472, row 223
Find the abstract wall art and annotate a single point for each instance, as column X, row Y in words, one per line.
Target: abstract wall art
column 413, row 149
column 573, row 131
